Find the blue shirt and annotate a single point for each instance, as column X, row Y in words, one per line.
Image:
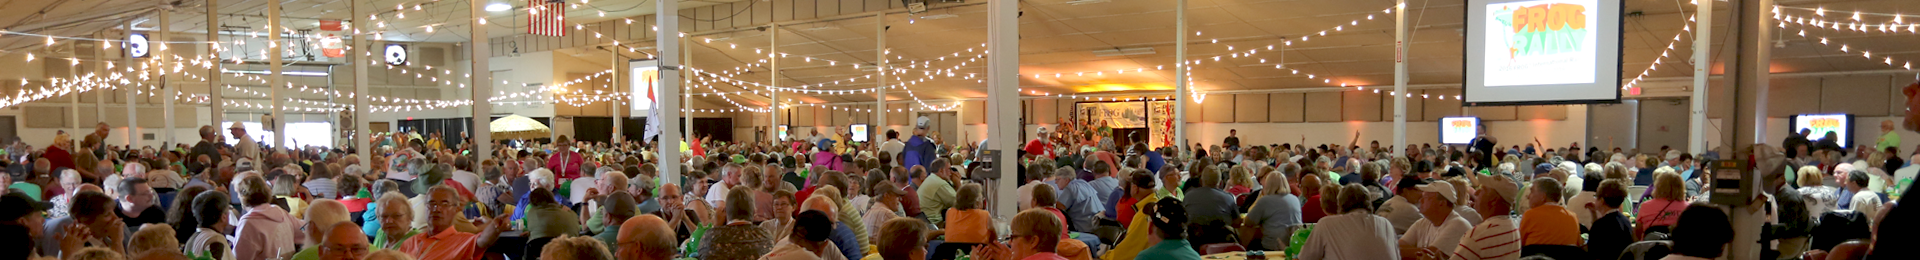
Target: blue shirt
column 650, row 206
column 1155, row 161
column 1081, row 204
column 919, row 151
column 1113, row 203
column 843, row 237
column 1177, row 249
column 1105, row 187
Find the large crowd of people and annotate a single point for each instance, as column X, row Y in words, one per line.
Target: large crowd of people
column 1082, row 194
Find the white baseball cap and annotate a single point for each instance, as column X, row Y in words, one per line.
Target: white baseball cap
column 1443, row 188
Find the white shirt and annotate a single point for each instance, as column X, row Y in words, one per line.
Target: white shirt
column 1356, row 236
column 893, row 148
column 1026, row 194
column 1867, row 203
column 717, row 194
column 1578, row 204
column 1447, row 235
column 1401, row 213
column 471, row 180
column 247, row 147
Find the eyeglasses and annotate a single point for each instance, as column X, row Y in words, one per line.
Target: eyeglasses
column 441, row 204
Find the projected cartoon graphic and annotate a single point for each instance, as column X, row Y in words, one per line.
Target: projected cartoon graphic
column 1540, row 42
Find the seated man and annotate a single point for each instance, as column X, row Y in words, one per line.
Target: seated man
column 441, row 241
column 1440, row 228
column 1547, row 223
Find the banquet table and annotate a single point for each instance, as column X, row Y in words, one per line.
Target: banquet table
column 1277, row 255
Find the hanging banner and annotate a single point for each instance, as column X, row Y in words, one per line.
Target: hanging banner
column 331, row 44
column 1160, row 121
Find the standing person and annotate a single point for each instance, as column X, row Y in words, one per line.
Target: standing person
column 1233, row 139
column 565, row 162
column 919, row 149
column 1888, row 138
column 1039, row 146
column 209, row 146
column 245, row 146
column 893, row 145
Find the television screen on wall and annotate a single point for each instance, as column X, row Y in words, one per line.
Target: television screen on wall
column 1459, row 130
column 1821, row 124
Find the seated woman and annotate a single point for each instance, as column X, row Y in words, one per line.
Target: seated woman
column 1356, row 233
column 1169, row 233
column 966, row 221
column 1669, row 199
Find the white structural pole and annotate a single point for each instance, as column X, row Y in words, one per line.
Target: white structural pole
column 1399, row 78
column 686, row 58
column 668, row 43
column 214, row 102
column 274, row 79
column 613, row 62
column 1180, row 92
column 879, row 127
column 773, row 77
column 100, row 96
column 166, row 88
column 133, row 118
column 1702, row 42
column 1003, row 98
column 362, row 132
column 482, row 82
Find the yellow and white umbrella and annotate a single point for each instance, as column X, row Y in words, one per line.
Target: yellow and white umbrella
column 518, row 127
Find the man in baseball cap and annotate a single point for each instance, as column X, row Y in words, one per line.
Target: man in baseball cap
column 1440, row 228
column 919, row 150
column 1496, row 236
column 19, row 209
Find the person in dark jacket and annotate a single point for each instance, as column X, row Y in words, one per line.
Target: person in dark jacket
column 1612, row 231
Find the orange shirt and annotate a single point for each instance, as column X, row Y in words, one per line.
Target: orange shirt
column 1549, row 225
column 968, row 226
column 449, row 244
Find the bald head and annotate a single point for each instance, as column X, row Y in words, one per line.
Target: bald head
column 645, row 237
column 344, row 241
column 822, row 204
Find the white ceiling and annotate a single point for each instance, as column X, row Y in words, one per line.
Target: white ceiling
column 1058, row 37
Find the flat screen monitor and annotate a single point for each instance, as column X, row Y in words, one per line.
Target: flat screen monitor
column 1459, row 130
column 1531, row 52
column 781, row 131
column 860, row 132
column 1821, row 124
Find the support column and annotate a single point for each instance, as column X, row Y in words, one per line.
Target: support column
column 613, row 62
column 482, row 82
column 1181, row 93
column 215, row 104
column 133, row 118
column 773, row 77
column 1702, row 45
column 166, row 87
column 1003, row 99
column 1752, row 28
column 668, row 43
column 1399, row 78
column 686, row 122
column 362, row 132
column 879, row 127
column 274, row 79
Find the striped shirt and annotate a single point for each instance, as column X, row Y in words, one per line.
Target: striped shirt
column 1494, row 238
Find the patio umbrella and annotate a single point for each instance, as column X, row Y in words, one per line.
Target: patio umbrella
column 518, row 127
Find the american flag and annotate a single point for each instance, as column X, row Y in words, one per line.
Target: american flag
column 547, row 17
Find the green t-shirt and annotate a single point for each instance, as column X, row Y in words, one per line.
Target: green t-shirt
column 1177, row 249
column 1890, row 139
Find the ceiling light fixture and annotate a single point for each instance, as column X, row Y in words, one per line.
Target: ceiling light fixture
column 499, row 7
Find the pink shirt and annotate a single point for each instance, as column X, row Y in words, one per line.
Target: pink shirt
column 565, row 165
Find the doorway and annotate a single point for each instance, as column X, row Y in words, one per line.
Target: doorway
column 946, row 124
